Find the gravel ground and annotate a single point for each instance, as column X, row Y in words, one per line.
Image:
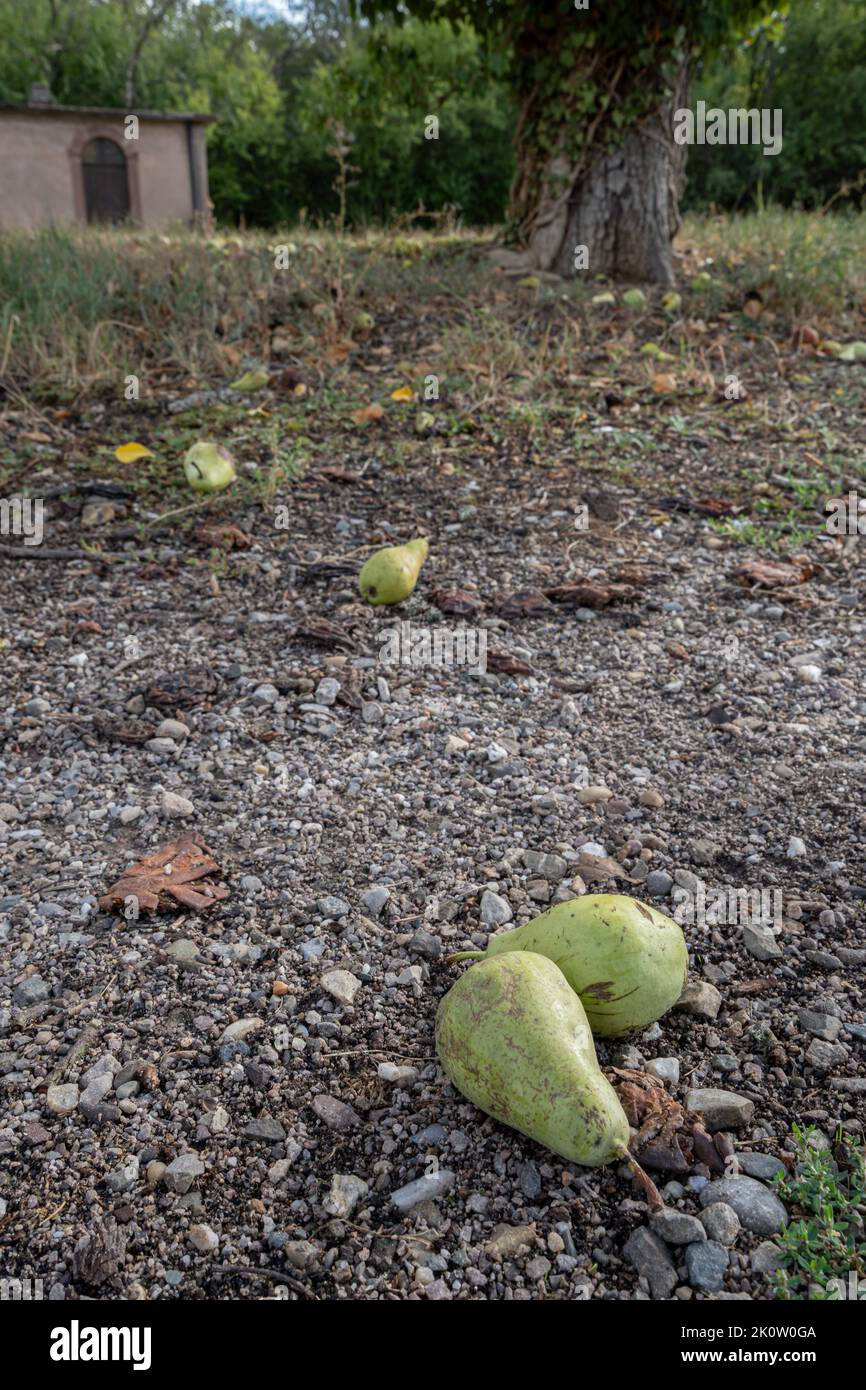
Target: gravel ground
column 231, row 1104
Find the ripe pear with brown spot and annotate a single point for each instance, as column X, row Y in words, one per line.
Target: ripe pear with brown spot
column 513, row 1038
column 391, row 574
column 627, row 961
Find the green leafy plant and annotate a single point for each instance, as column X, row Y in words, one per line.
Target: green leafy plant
column 826, row 1242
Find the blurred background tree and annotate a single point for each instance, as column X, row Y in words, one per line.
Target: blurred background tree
column 278, row 77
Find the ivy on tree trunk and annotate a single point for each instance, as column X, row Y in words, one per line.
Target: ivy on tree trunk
column 599, row 173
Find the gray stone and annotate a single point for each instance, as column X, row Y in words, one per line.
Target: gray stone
column 720, row 1109
column 648, row 1254
column 97, row 1089
column 374, row 900
column 184, row 950
column 396, row 1075
column 761, row 942
column 180, row 1175
column 172, row 728
column 332, row 906
column 819, row 1025
column 327, row 690
column 106, row 1065
column 721, row 1223
column 345, row 1194
column 425, row 1189
column 335, row 1113
column 676, row 1227
column 266, row 1128
column 424, row 943
column 703, row 852
column 826, row 1056
column 495, row 911
column 63, row 1100
column 311, row 950
column 700, row 999
column 824, row 959
column 529, row 1180
column 759, row 1210
column 33, row 990
column 241, row 1028
column 853, row 1085
column 341, row 985
column 706, row 1264
column 767, row 1257
column 122, row 1179
column 763, row 1166
column 667, row 1069
column 659, row 883
column 550, row 866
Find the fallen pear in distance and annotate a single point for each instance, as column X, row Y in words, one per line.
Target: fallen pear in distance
column 391, row 574
column 512, row 1036
column 627, row 961
column 208, row 467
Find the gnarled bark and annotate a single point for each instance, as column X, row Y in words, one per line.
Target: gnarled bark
column 620, row 202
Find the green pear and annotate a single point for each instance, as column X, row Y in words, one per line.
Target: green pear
column 208, row 467
column 251, row 381
column 628, row 962
column 605, row 297
column 513, row 1038
column 634, row 299
column 702, row 281
column 852, row 352
column 672, row 302
column 391, row 574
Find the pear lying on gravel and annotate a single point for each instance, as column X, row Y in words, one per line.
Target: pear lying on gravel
column 513, row 1038
column 391, row 574
column 628, row 962
column 208, row 467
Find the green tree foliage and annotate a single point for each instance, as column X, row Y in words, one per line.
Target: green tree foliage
column 392, row 96
column 811, row 64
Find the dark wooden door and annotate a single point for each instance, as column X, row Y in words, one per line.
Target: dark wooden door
column 106, row 189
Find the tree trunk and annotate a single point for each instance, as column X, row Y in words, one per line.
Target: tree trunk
column 620, row 201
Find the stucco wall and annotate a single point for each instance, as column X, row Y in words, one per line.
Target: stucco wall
column 39, row 169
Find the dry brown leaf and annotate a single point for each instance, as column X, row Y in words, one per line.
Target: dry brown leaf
column 162, row 880
column 524, row 603
column 588, row 593
column 224, row 536
column 459, row 602
column 500, row 660
column 774, row 574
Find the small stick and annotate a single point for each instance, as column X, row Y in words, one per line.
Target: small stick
column 294, row 1284
column 464, row 955
column 643, row 1180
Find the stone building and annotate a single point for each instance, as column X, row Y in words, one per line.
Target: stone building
column 93, row 164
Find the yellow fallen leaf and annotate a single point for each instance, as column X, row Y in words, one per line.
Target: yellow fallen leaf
column 664, row 383
column 131, row 453
column 403, row 393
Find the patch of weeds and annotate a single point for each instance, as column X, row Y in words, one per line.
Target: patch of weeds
column 826, row 1243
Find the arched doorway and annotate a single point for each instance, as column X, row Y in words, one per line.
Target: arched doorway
column 106, row 186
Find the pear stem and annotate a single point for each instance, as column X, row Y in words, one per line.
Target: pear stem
column 651, row 1192
column 464, row 955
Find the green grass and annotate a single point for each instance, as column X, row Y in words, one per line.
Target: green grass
column 81, row 309
column 826, row 1241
